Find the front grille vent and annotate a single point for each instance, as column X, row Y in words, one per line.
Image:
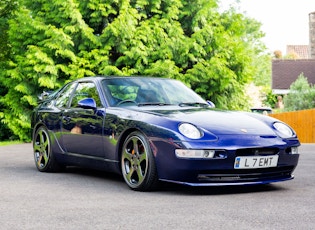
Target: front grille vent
column 246, row 175
column 257, row 152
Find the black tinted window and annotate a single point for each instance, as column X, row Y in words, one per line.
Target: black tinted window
column 85, row 90
column 64, row 96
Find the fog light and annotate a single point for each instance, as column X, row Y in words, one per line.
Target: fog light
column 194, row 153
column 208, row 153
column 294, row 150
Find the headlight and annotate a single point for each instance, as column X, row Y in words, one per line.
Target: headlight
column 284, row 131
column 190, row 131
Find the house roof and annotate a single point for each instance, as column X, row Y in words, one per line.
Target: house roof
column 301, row 51
column 286, row 71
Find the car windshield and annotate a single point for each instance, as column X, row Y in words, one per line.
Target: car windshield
column 141, row 91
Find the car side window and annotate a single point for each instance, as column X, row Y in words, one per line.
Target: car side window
column 63, row 98
column 85, row 90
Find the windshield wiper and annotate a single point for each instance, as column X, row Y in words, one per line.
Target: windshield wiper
column 153, row 103
column 201, row 104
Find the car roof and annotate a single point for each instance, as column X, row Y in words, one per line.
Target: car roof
column 100, row 77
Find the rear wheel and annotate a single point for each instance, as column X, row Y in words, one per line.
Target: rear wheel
column 43, row 155
column 137, row 163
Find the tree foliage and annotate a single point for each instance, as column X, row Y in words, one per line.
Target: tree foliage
column 7, row 9
column 262, row 75
column 52, row 42
column 301, row 95
column 270, row 99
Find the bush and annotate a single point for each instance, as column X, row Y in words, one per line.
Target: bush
column 301, row 95
column 6, row 134
column 270, row 99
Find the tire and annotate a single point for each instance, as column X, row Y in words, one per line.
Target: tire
column 137, row 163
column 43, row 155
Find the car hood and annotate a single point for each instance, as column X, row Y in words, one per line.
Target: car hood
column 219, row 122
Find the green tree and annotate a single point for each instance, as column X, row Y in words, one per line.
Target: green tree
column 262, row 75
column 225, row 65
column 301, row 95
column 262, row 78
column 52, row 42
column 7, row 9
column 269, row 99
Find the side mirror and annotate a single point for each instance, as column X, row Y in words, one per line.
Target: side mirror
column 211, row 104
column 44, row 95
column 87, row 103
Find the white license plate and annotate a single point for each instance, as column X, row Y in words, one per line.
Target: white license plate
column 254, row 162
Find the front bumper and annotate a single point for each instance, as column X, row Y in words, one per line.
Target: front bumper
column 226, row 183
column 221, row 171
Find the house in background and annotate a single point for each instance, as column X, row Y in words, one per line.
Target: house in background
column 286, row 71
column 299, row 51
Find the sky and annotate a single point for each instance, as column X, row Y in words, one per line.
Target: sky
column 284, row 22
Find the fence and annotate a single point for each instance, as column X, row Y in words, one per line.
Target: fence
column 303, row 122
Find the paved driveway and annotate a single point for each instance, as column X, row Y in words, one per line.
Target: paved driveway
column 81, row 199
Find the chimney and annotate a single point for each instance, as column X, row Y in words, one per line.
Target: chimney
column 312, row 34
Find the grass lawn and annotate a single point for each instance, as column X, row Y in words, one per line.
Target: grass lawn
column 3, row 143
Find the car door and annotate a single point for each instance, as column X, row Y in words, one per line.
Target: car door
column 82, row 128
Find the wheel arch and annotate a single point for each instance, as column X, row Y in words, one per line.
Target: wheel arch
column 36, row 127
column 55, row 143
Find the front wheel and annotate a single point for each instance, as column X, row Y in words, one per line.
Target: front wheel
column 137, row 163
column 43, row 155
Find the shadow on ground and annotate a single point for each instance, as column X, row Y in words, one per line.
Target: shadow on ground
column 176, row 188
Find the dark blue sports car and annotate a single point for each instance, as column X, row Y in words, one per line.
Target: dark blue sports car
column 156, row 129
